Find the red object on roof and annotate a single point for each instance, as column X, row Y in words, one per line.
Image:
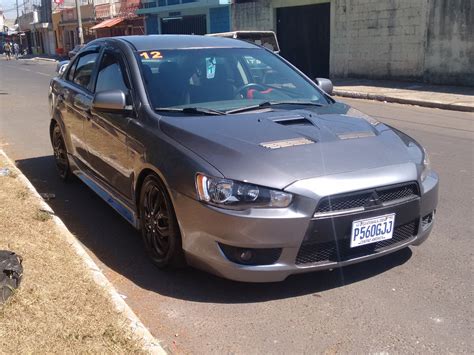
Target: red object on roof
column 108, row 23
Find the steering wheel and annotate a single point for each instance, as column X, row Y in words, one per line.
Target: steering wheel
column 245, row 88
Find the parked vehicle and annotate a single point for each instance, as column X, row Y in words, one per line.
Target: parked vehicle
column 75, row 50
column 61, row 66
column 228, row 158
column 267, row 39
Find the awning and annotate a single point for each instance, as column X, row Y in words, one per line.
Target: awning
column 108, row 23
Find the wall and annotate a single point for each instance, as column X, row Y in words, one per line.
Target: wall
column 450, row 42
column 256, row 15
column 381, row 39
column 430, row 40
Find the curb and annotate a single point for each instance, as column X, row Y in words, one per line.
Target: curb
column 150, row 344
column 431, row 104
column 44, row 59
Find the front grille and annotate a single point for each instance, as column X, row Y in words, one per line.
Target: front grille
column 361, row 198
column 333, row 251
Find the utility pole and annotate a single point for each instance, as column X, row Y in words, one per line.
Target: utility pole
column 79, row 22
column 18, row 22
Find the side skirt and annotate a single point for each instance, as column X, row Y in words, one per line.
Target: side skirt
column 116, row 203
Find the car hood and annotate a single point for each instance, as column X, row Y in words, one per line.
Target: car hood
column 276, row 148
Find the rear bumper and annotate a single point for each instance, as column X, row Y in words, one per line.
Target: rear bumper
column 204, row 227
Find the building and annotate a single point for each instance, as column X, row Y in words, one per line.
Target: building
column 118, row 18
column 185, row 16
column 67, row 26
column 423, row 40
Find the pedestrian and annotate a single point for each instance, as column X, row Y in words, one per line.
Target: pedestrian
column 8, row 50
column 16, row 50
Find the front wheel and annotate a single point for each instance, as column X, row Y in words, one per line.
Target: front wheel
column 159, row 227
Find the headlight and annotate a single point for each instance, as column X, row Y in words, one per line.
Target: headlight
column 426, row 165
column 238, row 195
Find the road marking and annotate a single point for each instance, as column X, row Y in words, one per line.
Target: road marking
column 29, row 70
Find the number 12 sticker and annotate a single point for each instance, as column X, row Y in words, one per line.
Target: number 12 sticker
column 151, row 55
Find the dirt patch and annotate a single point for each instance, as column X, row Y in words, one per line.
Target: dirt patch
column 58, row 307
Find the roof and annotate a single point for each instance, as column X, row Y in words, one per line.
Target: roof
column 150, row 42
column 108, row 23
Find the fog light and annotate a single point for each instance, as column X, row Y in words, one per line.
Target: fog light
column 251, row 256
column 427, row 220
column 246, row 255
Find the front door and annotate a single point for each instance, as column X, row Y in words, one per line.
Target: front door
column 105, row 132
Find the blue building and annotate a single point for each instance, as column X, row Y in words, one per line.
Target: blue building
column 185, row 16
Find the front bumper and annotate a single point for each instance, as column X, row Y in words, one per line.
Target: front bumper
column 204, row 227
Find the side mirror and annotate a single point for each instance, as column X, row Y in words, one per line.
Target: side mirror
column 110, row 101
column 325, row 85
column 61, row 66
column 62, row 69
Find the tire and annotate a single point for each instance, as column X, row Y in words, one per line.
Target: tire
column 60, row 153
column 159, row 226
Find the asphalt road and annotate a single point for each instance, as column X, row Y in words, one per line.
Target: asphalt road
column 417, row 300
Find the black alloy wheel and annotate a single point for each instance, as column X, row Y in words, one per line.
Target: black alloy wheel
column 60, row 153
column 160, row 230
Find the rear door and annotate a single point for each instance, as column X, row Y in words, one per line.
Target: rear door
column 77, row 97
column 105, row 132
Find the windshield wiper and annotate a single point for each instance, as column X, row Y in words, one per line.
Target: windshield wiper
column 191, row 110
column 273, row 103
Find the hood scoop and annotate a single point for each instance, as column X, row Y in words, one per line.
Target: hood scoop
column 293, row 121
column 286, row 143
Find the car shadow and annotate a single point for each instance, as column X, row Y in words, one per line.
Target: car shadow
column 117, row 245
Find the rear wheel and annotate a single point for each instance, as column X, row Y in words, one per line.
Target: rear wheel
column 159, row 227
column 60, row 153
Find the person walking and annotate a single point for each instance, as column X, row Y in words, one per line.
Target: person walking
column 8, row 50
column 16, row 50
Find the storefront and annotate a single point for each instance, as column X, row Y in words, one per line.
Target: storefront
column 119, row 26
column 67, row 26
column 185, row 16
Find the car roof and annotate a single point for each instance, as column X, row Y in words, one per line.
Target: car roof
column 150, row 42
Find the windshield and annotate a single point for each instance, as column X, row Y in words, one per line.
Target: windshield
column 222, row 79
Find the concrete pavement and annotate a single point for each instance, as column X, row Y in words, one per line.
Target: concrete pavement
column 416, row 301
column 457, row 98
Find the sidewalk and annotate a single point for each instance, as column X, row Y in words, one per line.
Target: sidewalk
column 64, row 303
column 459, row 98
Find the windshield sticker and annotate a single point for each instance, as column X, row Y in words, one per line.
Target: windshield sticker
column 210, row 67
column 151, row 55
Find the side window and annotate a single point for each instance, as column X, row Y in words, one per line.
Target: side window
column 111, row 74
column 83, row 71
column 70, row 74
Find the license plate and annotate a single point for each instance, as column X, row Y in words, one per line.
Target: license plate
column 372, row 230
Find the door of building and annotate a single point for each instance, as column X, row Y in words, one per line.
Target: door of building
column 195, row 24
column 303, row 33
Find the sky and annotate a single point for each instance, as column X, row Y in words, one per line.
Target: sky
column 11, row 6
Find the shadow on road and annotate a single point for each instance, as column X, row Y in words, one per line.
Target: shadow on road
column 117, row 244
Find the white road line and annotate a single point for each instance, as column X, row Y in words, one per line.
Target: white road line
column 26, row 69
